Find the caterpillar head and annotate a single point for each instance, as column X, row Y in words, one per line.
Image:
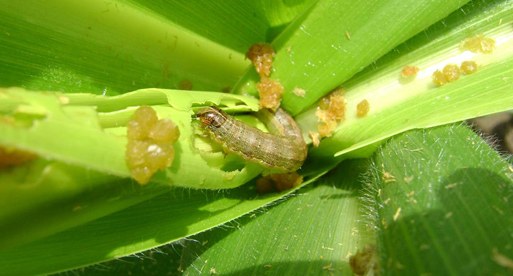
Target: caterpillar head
column 211, row 117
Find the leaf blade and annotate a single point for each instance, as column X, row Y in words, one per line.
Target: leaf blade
column 397, row 105
column 168, row 217
column 440, row 207
column 310, row 52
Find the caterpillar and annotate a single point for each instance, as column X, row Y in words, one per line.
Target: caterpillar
column 281, row 150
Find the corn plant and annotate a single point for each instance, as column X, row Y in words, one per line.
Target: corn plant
column 410, row 180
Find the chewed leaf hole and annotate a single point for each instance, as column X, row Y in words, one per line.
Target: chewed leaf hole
column 235, row 164
column 214, row 155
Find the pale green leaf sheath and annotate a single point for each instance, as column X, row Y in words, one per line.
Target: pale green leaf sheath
column 67, row 128
column 398, row 104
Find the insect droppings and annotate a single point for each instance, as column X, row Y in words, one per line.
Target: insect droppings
column 269, row 90
column 468, row 67
column 331, row 111
column 362, row 108
column 478, row 44
column 299, row 92
column 261, row 55
column 409, row 71
column 439, row 78
column 14, row 157
column 315, row 138
column 451, row 72
column 149, row 145
column 281, row 181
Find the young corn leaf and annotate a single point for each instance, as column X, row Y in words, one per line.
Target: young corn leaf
column 46, row 197
column 99, row 50
column 113, row 47
column 68, row 129
column 333, row 40
column 168, row 217
column 435, row 201
column 87, row 176
column 248, row 21
column 313, row 231
column 441, row 200
column 398, row 104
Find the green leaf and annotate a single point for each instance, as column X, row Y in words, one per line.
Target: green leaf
column 315, row 54
column 314, row 231
column 68, row 129
column 119, row 46
column 110, row 48
column 398, row 105
column 441, row 201
column 171, row 216
column 437, row 225
column 86, row 176
column 248, row 21
column 46, row 197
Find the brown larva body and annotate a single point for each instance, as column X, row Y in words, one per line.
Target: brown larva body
column 282, row 150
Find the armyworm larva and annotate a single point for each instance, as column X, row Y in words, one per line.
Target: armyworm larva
column 282, row 150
